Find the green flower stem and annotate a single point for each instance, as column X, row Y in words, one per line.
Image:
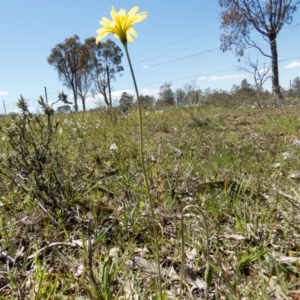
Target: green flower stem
column 144, row 171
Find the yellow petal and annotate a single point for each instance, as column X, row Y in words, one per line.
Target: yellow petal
column 140, row 17
column 122, row 12
column 113, row 12
column 121, row 24
column 133, row 11
column 105, row 22
column 129, row 37
column 132, row 31
column 101, row 35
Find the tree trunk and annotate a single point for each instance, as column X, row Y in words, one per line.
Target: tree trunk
column 75, row 101
column 108, row 83
column 83, row 103
column 106, row 99
column 275, row 74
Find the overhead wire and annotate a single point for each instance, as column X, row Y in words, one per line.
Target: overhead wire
column 164, row 62
column 150, row 51
column 201, row 75
column 177, row 42
column 166, row 54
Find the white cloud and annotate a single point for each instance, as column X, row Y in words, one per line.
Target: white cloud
column 264, row 70
column 145, row 67
column 292, row 65
column 150, row 92
column 223, row 77
column 18, row 111
column 214, row 78
column 115, row 95
column 118, row 94
column 227, row 77
column 3, row 93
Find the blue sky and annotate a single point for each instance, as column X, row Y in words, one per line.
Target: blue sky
column 177, row 43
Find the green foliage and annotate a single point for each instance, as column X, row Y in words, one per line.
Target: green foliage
column 295, row 91
column 33, row 163
column 147, row 101
column 126, row 102
column 166, row 95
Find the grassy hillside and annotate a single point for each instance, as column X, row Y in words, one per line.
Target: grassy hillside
column 75, row 220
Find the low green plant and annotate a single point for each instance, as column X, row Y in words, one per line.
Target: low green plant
column 31, row 163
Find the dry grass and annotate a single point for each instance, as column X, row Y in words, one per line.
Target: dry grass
column 237, row 171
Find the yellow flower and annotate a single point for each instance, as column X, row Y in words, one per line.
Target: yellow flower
column 121, row 24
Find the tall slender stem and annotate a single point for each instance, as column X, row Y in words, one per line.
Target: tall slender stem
column 145, row 173
column 140, row 117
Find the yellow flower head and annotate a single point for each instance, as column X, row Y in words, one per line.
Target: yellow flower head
column 121, row 24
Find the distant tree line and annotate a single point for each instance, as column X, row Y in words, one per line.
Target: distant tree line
column 190, row 94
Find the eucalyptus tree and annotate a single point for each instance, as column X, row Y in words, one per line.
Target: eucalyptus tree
column 266, row 17
column 66, row 58
column 166, row 95
column 180, row 96
column 147, row 101
column 125, row 101
column 296, row 86
column 105, row 64
column 192, row 93
column 85, row 78
column 260, row 73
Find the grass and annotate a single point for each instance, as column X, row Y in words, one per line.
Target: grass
column 90, row 235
